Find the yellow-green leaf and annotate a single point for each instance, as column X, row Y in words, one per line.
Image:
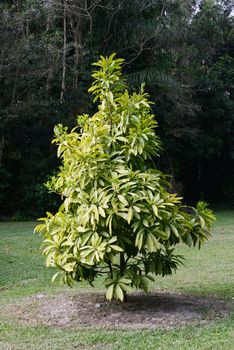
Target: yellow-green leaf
column 130, row 215
column 122, row 200
column 109, row 292
column 119, row 292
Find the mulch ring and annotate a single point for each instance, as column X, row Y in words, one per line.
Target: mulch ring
column 152, row 310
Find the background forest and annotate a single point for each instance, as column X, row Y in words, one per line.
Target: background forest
column 182, row 49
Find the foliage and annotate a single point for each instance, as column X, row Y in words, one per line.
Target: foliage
column 117, row 216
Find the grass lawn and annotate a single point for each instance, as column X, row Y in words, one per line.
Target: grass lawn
column 208, row 272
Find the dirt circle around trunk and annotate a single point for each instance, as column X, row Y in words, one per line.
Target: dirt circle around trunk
column 141, row 311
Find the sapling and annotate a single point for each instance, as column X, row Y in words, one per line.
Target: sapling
column 118, row 217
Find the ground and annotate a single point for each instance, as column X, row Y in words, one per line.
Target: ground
column 142, row 311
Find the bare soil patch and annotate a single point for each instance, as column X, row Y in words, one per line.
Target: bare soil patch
column 152, row 310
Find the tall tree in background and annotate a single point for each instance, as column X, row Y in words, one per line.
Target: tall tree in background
column 211, row 152
column 183, row 50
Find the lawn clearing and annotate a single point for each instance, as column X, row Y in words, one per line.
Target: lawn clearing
column 204, row 288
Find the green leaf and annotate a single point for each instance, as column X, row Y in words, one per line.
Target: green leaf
column 82, row 229
column 124, row 287
column 189, row 240
column 123, row 215
column 144, row 284
column 137, row 209
column 116, row 247
column 119, row 292
column 69, row 266
column 122, row 200
column 139, row 239
column 102, row 212
column 152, row 243
column 109, row 291
column 130, row 215
column 155, row 210
column 55, row 276
column 202, row 221
column 175, row 231
column 113, row 239
column 124, row 280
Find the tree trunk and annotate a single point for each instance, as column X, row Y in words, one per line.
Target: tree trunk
column 64, row 52
column 2, row 141
column 77, row 42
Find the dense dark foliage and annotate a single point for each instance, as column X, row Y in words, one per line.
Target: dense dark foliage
column 182, row 50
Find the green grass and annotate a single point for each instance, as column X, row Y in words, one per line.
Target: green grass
column 217, row 336
column 207, row 272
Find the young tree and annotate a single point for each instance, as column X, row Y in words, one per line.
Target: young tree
column 118, row 217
